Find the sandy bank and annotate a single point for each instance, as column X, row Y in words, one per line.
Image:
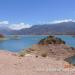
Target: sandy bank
column 12, row 64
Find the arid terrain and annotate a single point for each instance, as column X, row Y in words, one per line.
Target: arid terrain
column 12, row 64
column 45, row 58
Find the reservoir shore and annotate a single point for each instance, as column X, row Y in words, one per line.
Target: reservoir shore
column 13, row 64
column 45, row 58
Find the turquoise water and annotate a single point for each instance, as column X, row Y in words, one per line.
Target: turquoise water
column 15, row 45
column 68, row 39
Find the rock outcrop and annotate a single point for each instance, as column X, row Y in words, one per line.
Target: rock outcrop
column 51, row 40
column 51, row 47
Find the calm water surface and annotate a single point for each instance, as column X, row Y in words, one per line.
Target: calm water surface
column 22, row 42
column 15, row 45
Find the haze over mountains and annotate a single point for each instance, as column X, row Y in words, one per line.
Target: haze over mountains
column 63, row 27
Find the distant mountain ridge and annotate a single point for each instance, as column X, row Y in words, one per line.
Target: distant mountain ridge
column 5, row 31
column 45, row 29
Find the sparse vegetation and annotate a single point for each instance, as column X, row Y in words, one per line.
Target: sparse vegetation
column 44, row 55
column 25, row 51
column 22, row 53
column 51, row 40
column 39, row 50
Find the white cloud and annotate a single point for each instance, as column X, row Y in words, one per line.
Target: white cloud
column 23, row 25
column 60, row 21
column 19, row 26
column 14, row 26
column 4, row 22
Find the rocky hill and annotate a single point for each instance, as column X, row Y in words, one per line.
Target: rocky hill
column 51, row 47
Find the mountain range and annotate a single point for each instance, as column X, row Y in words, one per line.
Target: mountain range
column 67, row 28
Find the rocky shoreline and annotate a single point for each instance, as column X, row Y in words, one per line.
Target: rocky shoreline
column 57, row 51
column 45, row 58
column 51, row 46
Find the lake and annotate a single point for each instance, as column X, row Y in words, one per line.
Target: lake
column 16, row 45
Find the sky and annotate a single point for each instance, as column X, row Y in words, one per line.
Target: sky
column 28, row 12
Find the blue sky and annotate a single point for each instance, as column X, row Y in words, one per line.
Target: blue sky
column 36, row 11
